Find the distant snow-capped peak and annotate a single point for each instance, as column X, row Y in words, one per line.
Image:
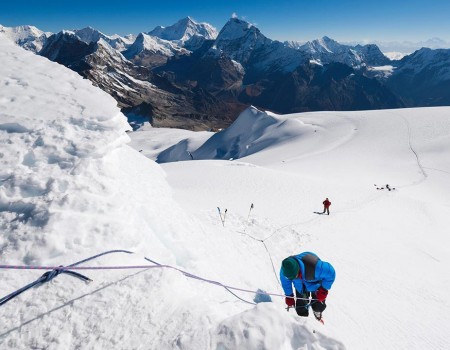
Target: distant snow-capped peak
column 239, row 39
column 236, row 28
column 21, row 32
column 294, row 44
column 153, row 44
column 323, row 45
column 244, row 43
column 426, row 59
column 326, row 50
column 29, row 37
column 89, row 35
column 115, row 54
column 184, row 30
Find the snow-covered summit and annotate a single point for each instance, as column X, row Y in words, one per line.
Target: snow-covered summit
column 327, row 50
column 236, row 28
column 325, row 44
column 29, row 37
column 239, row 39
column 154, row 45
column 89, row 35
column 184, row 30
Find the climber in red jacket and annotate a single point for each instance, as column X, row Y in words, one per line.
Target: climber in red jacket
column 326, row 206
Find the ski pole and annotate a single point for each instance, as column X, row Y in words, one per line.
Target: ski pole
column 251, row 207
column 224, row 215
column 220, row 214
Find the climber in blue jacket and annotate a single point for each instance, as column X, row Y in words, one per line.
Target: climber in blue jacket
column 312, row 279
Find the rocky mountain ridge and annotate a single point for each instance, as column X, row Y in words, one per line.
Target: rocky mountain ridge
column 189, row 75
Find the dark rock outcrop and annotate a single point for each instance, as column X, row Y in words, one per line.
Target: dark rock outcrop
column 312, row 87
column 423, row 78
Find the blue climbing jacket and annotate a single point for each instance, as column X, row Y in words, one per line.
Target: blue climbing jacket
column 315, row 273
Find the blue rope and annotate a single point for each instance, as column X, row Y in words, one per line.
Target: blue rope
column 49, row 275
column 101, row 254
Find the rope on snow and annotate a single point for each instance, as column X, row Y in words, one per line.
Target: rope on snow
column 56, row 270
column 49, row 275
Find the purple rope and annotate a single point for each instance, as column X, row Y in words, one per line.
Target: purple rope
column 187, row 274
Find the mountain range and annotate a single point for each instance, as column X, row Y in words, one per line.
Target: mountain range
column 190, row 75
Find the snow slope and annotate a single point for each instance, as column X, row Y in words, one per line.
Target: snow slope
column 390, row 248
column 72, row 188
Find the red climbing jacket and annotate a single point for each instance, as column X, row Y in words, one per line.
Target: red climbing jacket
column 326, row 203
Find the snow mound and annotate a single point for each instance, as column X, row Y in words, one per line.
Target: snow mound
column 248, row 331
column 248, row 134
column 252, row 132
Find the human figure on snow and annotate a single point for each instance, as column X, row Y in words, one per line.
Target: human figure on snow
column 311, row 277
column 326, row 206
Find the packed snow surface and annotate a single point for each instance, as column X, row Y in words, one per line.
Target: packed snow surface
column 71, row 187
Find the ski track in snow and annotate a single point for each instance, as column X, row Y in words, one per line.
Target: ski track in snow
column 422, row 170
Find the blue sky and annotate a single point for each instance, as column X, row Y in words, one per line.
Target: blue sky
column 343, row 20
